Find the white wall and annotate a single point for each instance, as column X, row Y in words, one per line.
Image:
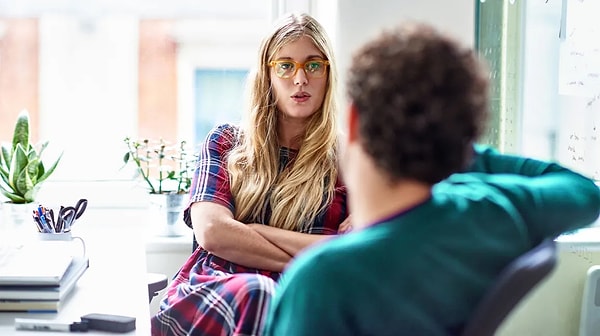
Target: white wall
column 359, row 20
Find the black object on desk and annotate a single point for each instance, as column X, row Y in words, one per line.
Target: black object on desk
column 107, row 322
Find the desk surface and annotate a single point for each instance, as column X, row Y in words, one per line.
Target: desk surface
column 115, row 282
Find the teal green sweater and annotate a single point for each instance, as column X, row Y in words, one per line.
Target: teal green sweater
column 422, row 271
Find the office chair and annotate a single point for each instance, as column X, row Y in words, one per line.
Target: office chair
column 513, row 283
column 156, row 283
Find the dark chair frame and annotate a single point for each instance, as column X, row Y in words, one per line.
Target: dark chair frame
column 156, row 283
column 516, row 280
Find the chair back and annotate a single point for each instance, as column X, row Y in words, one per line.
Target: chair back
column 514, row 282
column 156, row 283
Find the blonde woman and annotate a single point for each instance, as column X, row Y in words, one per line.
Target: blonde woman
column 262, row 191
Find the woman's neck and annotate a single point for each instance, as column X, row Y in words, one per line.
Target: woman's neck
column 291, row 132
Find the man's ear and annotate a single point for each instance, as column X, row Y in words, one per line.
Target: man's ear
column 353, row 132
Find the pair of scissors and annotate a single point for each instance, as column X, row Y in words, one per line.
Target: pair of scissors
column 68, row 215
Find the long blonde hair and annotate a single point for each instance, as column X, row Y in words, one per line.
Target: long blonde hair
column 293, row 198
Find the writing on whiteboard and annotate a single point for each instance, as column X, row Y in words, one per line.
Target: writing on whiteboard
column 579, row 68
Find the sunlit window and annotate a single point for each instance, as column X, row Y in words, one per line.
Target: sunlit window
column 91, row 73
column 544, row 58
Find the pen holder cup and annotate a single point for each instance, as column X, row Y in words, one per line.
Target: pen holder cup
column 62, row 236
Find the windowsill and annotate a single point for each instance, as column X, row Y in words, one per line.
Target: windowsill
column 161, row 244
column 588, row 237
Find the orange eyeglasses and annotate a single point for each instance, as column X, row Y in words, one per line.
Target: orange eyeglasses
column 288, row 68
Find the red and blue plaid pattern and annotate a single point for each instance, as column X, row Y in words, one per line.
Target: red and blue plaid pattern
column 211, row 295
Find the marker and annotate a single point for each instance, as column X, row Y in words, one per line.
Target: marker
column 49, row 325
column 37, row 222
column 41, row 216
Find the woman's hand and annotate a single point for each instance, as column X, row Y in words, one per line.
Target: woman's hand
column 345, row 226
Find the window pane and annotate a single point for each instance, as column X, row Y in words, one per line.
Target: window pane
column 545, row 62
column 93, row 72
column 219, row 99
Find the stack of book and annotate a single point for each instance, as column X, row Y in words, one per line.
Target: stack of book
column 40, row 286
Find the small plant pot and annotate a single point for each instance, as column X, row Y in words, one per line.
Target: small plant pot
column 166, row 211
column 18, row 217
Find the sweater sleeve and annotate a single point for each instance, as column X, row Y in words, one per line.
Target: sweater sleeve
column 211, row 178
column 551, row 198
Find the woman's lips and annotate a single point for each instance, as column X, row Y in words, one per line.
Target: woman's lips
column 301, row 97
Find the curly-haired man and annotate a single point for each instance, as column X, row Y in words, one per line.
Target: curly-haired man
column 436, row 216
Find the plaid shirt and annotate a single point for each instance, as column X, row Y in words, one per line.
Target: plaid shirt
column 211, row 295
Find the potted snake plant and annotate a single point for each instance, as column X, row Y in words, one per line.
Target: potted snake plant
column 22, row 170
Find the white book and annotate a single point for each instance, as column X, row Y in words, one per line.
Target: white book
column 12, row 293
column 30, row 306
column 34, row 263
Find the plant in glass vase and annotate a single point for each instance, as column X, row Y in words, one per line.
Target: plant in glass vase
column 165, row 169
column 167, row 172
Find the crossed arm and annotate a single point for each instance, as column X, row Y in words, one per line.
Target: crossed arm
column 252, row 245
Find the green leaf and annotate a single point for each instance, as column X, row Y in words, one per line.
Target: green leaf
column 21, row 134
column 17, row 165
column 4, row 176
column 4, row 163
column 31, row 193
column 4, row 185
column 6, row 157
column 42, row 148
column 24, row 182
column 48, row 172
column 13, row 197
column 33, row 167
column 40, row 171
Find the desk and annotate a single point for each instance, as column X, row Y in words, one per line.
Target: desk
column 115, row 282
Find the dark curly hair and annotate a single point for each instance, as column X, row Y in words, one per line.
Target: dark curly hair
column 422, row 101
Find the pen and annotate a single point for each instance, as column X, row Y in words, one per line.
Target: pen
column 46, row 225
column 49, row 215
column 37, row 222
column 48, row 325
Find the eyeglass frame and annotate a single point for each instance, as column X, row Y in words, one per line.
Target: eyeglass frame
column 298, row 66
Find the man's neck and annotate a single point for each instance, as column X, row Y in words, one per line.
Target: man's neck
column 373, row 197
